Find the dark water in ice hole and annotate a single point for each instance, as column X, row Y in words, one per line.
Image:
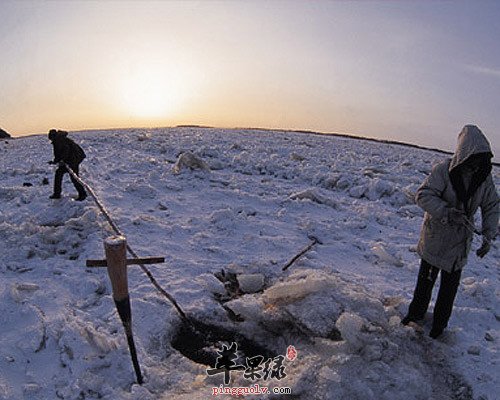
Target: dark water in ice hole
column 201, row 343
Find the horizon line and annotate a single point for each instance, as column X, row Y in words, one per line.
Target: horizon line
column 303, row 131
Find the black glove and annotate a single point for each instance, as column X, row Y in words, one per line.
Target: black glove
column 484, row 249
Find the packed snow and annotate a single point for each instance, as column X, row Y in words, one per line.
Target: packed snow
column 219, row 204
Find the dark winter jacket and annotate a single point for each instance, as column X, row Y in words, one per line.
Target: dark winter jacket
column 66, row 149
column 445, row 244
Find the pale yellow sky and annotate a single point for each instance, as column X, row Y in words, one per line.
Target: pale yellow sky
column 404, row 71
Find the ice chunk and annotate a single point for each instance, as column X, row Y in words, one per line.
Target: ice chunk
column 251, row 283
column 288, row 292
column 5, row 389
column 20, row 291
column 411, row 211
column 318, row 313
column 141, row 190
column 297, row 157
column 469, row 281
column 191, row 161
column 357, row 191
column 213, row 284
column 329, row 375
column 222, row 219
column 31, row 390
column 28, row 287
column 379, row 188
column 373, row 352
column 490, row 336
column 350, row 326
column 97, row 340
column 380, row 251
column 247, row 306
column 394, row 321
column 313, row 195
column 332, row 180
column 343, row 182
column 8, row 194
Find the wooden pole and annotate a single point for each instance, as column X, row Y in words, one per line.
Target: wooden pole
column 304, row 251
column 115, row 248
column 118, row 232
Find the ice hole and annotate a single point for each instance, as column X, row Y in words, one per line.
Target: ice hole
column 200, row 342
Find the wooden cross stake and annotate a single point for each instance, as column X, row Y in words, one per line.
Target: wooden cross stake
column 129, row 261
column 116, row 261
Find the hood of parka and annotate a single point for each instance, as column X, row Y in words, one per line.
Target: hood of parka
column 471, row 141
column 473, row 149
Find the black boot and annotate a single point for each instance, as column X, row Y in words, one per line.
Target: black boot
column 436, row 332
column 81, row 196
column 55, row 196
column 406, row 320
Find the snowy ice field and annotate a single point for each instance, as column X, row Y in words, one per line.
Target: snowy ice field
column 266, row 194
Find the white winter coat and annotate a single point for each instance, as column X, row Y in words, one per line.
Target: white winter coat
column 443, row 244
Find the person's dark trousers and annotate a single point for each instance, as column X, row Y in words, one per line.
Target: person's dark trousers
column 423, row 292
column 60, row 171
column 446, row 297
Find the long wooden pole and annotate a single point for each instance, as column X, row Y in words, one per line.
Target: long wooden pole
column 132, row 252
column 116, row 258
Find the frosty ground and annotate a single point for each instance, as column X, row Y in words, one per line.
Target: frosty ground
column 266, row 195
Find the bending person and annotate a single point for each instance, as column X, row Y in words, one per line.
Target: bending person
column 67, row 151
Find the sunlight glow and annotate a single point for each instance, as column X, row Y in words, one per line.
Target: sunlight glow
column 150, row 91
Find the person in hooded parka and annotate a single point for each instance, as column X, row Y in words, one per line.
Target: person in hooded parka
column 450, row 196
column 68, row 152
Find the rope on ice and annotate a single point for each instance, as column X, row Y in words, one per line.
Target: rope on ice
column 117, row 230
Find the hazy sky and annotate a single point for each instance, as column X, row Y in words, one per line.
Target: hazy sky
column 410, row 71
